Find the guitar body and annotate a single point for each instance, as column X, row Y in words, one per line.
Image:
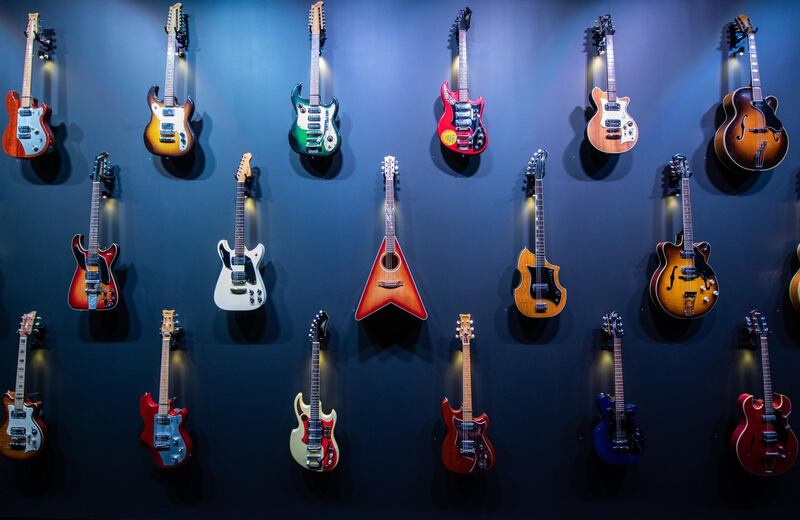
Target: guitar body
column 314, row 131
column 93, row 286
column 390, row 282
column 240, row 286
column 611, row 130
column 28, row 133
column 554, row 296
column 174, row 445
column 169, row 132
column 21, row 437
column 606, row 446
column 479, row 460
column 752, row 137
column 461, row 127
column 794, row 287
column 749, row 442
column 678, row 292
column 323, row 457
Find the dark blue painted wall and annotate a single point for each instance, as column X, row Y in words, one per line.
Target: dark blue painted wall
column 461, row 232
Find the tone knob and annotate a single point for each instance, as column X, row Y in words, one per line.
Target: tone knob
column 705, row 299
column 251, row 299
column 715, row 293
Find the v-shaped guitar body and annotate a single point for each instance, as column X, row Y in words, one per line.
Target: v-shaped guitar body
column 390, row 282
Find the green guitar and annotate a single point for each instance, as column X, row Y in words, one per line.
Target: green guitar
column 314, row 131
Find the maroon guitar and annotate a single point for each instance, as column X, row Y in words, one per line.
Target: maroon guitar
column 93, row 286
column 466, row 448
column 164, row 432
column 764, row 443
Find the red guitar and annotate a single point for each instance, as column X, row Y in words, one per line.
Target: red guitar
column 764, row 443
column 390, row 281
column 466, row 447
column 164, row 432
column 28, row 133
column 461, row 126
column 93, row 286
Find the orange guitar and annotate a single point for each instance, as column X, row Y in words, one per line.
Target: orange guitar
column 390, row 281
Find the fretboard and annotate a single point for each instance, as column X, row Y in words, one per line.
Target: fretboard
column 539, row 222
column 169, row 82
column 463, row 71
column 389, row 232
column 26, row 73
column 755, row 74
column 313, row 93
column 466, row 382
column 619, row 387
column 19, row 397
column 314, row 380
column 94, row 219
column 611, row 69
column 686, row 200
column 163, row 390
column 239, row 227
column 765, row 371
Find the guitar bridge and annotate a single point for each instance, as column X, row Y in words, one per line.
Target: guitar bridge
column 391, row 284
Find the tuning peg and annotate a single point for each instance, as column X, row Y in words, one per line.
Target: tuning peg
column 470, row 322
column 456, row 335
column 472, row 337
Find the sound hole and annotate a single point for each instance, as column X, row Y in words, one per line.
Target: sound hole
column 390, row 261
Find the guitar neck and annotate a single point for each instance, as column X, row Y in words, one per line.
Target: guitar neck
column 765, row 372
column 466, row 382
column 19, row 396
column 94, row 219
column 611, row 71
column 27, row 99
column 169, row 82
column 686, row 201
column 163, row 391
column 619, row 386
column 389, row 231
column 463, row 70
column 755, row 75
column 239, row 227
column 539, row 222
column 314, row 380
column 313, row 96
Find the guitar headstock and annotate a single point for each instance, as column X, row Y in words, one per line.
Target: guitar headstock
column 464, row 329
column 612, row 325
column 102, row 170
column 389, row 168
column 757, row 324
column 463, row 21
column 243, row 172
column 535, row 170
column 602, row 28
column 175, row 20
column 170, row 325
column 679, row 168
column 30, row 324
column 319, row 327
column 34, row 25
column 316, row 18
column 744, row 25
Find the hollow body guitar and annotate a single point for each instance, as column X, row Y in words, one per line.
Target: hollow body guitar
column 794, row 287
column 539, row 293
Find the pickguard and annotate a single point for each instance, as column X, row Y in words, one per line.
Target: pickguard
column 30, row 133
column 167, row 439
column 23, row 432
column 627, row 127
column 240, row 286
column 245, row 264
column 471, row 443
column 172, row 126
column 317, row 125
column 771, row 120
column 549, row 290
column 467, row 122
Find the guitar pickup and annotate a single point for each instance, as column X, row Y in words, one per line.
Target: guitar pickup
column 464, row 123
column 464, row 113
column 612, row 107
column 612, row 123
column 768, row 419
column 314, row 110
column 314, row 126
column 168, row 112
column 315, row 118
column 168, row 126
column 166, row 139
column 25, row 112
column 24, row 129
column 392, row 284
column 23, row 136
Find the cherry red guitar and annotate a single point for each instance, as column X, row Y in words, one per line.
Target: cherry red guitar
column 466, row 447
column 764, row 443
column 461, row 126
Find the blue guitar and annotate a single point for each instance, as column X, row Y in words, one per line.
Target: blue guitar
column 617, row 439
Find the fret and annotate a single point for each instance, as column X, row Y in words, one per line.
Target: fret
column 239, row 227
column 619, row 387
column 314, row 87
column 466, row 382
column 94, row 219
column 163, row 391
column 611, row 71
column 19, row 396
column 769, row 408
column 539, row 222
column 755, row 75
column 688, row 232
column 463, row 84
column 389, row 231
column 27, row 99
column 169, row 93
column 314, row 380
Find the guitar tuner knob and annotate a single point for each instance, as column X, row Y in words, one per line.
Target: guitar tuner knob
column 715, row 293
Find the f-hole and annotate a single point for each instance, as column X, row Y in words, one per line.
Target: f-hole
column 390, row 262
column 744, row 128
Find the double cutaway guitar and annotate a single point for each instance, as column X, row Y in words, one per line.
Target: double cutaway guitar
column 93, row 286
column 461, row 128
column 763, row 441
column 164, row 432
column 751, row 138
column 539, row 293
column 466, row 447
column 390, row 281
column 684, row 285
column 611, row 130
column 314, row 132
column 28, row 133
column 312, row 443
column 617, row 439
column 22, row 432
column 169, row 132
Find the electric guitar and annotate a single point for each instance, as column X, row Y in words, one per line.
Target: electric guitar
column 539, row 293
column 611, row 129
column 617, row 439
column 466, row 447
column 239, row 286
column 164, row 431
column 314, row 131
column 390, row 280
column 763, row 441
column 28, row 132
column 684, row 285
column 93, row 286
column 169, row 132
column 312, row 443
column 751, row 138
column 461, row 126
column 22, row 432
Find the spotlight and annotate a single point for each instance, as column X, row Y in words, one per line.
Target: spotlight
column 44, row 56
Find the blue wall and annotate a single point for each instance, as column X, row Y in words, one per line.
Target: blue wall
column 461, row 231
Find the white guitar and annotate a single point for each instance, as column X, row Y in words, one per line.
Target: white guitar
column 239, row 286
